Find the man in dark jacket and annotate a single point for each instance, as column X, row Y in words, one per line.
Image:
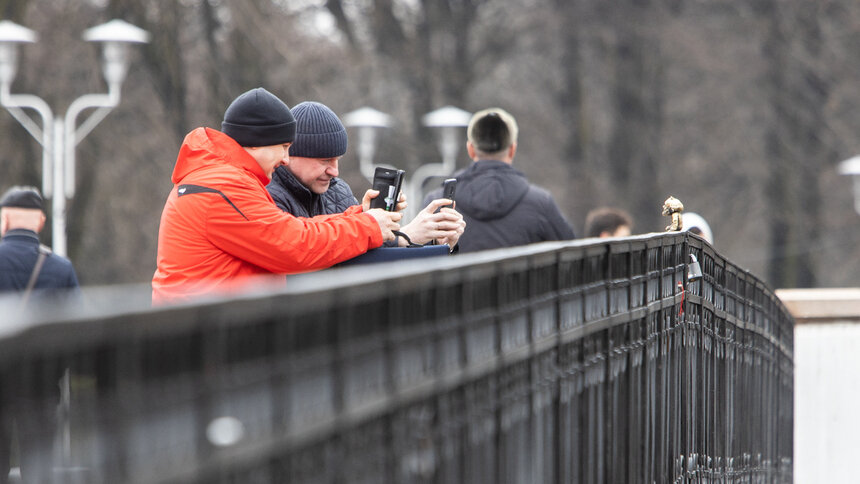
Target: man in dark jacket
column 29, row 403
column 500, row 206
column 308, row 184
column 21, row 220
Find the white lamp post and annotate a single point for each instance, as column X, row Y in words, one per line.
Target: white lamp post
column 367, row 121
column 851, row 167
column 449, row 120
column 59, row 135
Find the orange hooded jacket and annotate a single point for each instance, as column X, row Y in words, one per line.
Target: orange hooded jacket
column 220, row 226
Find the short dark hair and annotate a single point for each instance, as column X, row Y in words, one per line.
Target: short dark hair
column 606, row 219
column 492, row 130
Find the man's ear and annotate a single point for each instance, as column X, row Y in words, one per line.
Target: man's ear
column 512, row 150
column 41, row 223
column 4, row 222
column 470, row 148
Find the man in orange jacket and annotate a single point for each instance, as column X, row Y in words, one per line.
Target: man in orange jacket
column 220, row 226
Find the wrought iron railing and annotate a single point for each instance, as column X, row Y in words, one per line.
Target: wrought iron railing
column 587, row 361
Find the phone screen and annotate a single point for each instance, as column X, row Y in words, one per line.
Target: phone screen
column 388, row 181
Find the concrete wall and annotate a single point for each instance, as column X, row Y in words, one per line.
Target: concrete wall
column 826, row 384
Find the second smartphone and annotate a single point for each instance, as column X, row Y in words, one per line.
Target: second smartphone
column 388, row 181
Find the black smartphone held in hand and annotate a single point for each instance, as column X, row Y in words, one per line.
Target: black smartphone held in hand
column 448, row 188
column 388, row 181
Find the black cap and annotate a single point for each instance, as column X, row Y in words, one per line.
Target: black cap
column 259, row 118
column 22, row 197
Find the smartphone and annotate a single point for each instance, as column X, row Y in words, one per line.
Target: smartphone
column 388, row 181
column 448, row 188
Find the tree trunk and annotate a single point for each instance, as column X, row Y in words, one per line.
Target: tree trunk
column 634, row 152
column 796, row 149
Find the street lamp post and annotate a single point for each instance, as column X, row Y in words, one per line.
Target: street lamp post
column 449, row 120
column 851, row 167
column 367, row 120
column 60, row 135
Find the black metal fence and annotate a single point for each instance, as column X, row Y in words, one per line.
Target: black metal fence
column 584, row 361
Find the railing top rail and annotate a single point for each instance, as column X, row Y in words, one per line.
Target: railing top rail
column 113, row 312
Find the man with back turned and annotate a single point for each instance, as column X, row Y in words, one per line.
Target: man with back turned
column 500, row 206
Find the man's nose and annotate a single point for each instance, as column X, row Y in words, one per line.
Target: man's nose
column 332, row 169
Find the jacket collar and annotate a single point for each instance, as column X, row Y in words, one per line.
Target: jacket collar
column 22, row 234
column 292, row 184
column 206, row 147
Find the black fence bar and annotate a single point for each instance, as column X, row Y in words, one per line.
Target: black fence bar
column 576, row 362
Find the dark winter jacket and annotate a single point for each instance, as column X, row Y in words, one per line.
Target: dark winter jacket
column 19, row 251
column 502, row 209
column 293, row 197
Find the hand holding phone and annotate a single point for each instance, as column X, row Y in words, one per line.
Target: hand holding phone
column 388, row 182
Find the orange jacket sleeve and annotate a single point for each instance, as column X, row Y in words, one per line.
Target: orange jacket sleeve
column 264, row 235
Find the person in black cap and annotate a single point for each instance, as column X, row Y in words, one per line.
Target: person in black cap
column 220, row 227
column 309, row 185
column 30, row 404
column 500, row 206
column 21, row 220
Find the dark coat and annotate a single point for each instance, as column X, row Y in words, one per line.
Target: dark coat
column 502, row 209
column 293, row 197
column 19, row 251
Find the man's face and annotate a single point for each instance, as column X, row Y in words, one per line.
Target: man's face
column 314, row 173
column 270, row 157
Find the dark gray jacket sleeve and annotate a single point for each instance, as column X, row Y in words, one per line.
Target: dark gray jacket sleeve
column 557, row 226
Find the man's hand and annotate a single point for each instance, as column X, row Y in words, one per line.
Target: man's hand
column 445, row 227
column 371, row 194
column 401, row 203
column 368, row 196
column 388, row 221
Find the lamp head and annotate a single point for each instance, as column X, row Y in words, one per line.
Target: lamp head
column 851, row 167
column 367, row 120
column 450, row 119
column 116, row 35
column 447, row 116
column 12, row 34
column 367, row 117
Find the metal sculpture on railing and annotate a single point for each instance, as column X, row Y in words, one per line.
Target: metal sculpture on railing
column 673, row 207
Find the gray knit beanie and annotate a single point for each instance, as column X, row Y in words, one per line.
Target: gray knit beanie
column 319, row 132
column 259, row 118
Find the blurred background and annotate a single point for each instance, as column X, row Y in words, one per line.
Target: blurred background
column 741, row 109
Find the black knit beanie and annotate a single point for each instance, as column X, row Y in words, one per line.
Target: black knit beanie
column 259, row 118
column 319, row 132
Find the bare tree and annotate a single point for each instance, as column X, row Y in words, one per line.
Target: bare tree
column 741, row 109
column 795, row 142
column 634, row 152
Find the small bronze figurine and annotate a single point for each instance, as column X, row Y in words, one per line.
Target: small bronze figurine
column 673, row 207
